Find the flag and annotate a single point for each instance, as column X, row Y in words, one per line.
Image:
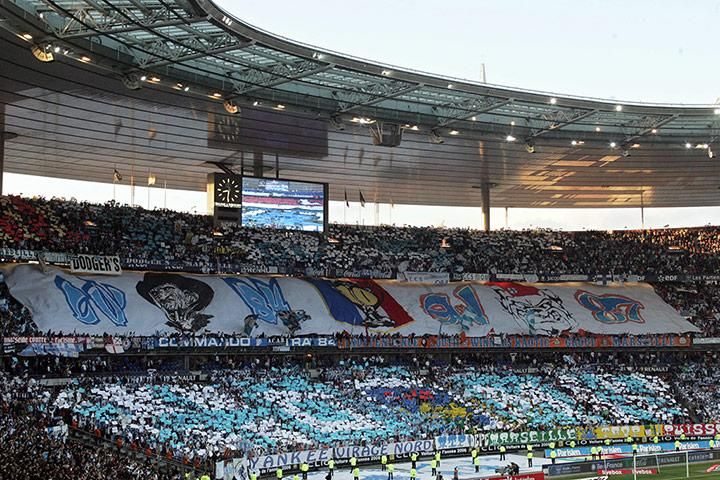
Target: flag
column 362, row 199
column 347, row 203
column 392, row 203
column 116, row 176
column 151, row 179
column 114, row 346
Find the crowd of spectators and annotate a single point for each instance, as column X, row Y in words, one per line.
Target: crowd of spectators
column 169, row 239
column 35, row 443
column 267, row 407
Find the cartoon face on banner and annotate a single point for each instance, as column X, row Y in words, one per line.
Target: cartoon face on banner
column 92, row 298
column 182, row 299
column 538, row 309
column 267, row 302
column 467, row 313
column 611, row 309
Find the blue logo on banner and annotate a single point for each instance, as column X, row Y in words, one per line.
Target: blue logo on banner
column 611, row 309
column 94, row 296
column 465, row 314
column 264, row 299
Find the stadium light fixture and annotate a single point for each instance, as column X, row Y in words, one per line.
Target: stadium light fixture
column 717, row 111
column 26, row 36
column 653, row 131
column 618, row 108
column 42, row 52
column 613, row 144
column 450, row 85
column 635, row 145
column 510, row 138
column 216, row 95
column 553, row 101
column 155, row 79
column 56, row 49
column 688, row 145
column 454, row 132
column 710, row 152
column 230, row 107
column 473, row 118
column 529, row 147
column 385, row 73
column 597, row 129
column 85, row 59
column 512, row 123
column 143, row 78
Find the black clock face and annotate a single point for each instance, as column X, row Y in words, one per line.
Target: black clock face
column 228, row 191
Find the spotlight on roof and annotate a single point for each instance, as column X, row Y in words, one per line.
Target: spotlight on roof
column 143, row 78
column 597, row 129
column 435, row 137
column 132, row 81
column 717, row 111
column 56, row 49
column 26, row 36
column 553, row 101
column 613, row 144
column 710, row 152
column 454, row 132
column 216, row 95
column 386, row 72
column 231, row 107
column 653, row 131
column 618, row 108
column 688, row 145
column 529, row 147
column 450, row 85
column 42, row 52
column 510, row 138
column 85, row 59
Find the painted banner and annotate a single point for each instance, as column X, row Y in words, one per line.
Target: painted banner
column 150, row 302
column 624, row 431
column 266, row 463
column 95, row 264
column 437, row 278
column 453, row 442
column 692, row 429
column 532, row 437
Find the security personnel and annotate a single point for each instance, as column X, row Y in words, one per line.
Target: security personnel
column 607, row 442
column 529, row 447
column 629, row 439
column 331, row 467
column 383, row 462
column 552, row 446
column 253, row 475
column 476, row 462
column 593, row 453
column 530, row 457
column 717, row 437
column 279, row 473
column 353, row 463
column 553, row 456
column 635, row 448
column 205, row 477
column 433, row 467
column 437, row 458
column 600, row 452
column 390, row 470
column 304, row 469
column 356, row 473
column 502, row 452
column 413, row 459
column 413, row 473
column 474, row 453
column 656, row 439
column 296, row 477
column 683, row 437
column 677, row 445
column 572, row 443
column 711, row 443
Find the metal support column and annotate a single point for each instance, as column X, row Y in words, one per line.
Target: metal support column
column 3, row 134
column 258, row 164
column 486, row 205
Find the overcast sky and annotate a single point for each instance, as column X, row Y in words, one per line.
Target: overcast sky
column 641, row 50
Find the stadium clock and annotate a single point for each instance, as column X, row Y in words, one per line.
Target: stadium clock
column 228, row 191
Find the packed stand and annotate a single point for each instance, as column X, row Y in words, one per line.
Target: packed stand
column 35, row 443
column 174, row 240
column 259, row 408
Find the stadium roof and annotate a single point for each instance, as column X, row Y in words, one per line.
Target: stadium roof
column 189, row 57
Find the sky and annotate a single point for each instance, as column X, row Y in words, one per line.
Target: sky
column 659, row 51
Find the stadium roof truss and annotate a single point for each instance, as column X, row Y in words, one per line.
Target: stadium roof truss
column 196, row 45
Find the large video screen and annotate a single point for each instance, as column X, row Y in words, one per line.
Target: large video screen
column 284, row 204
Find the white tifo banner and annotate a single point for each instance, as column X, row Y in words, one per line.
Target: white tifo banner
column 148, row 302
column 97, row 264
